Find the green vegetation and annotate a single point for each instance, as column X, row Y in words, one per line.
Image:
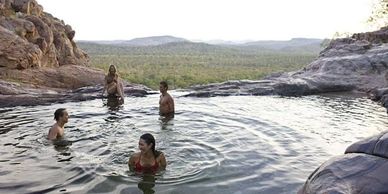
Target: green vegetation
column 187, row 63
column 379, row 15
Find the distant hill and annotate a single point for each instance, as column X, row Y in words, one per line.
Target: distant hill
column 182, row 46
column 145, row 41
column 295, row 44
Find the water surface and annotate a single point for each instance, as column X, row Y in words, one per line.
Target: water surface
column 240, row 144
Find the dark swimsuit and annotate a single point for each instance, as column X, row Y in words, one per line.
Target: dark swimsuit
column 140, row 168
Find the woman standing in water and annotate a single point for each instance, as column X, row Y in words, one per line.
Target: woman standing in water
column 148, row 160
column 112, row 84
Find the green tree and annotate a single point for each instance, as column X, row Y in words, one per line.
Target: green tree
column 379, row 16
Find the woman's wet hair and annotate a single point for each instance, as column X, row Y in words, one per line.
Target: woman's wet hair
column 110, row 66
column 148, row 138
column 59, row 113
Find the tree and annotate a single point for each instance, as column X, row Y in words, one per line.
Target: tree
column 379, row 16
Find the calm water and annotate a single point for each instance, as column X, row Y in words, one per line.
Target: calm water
column 213, row 145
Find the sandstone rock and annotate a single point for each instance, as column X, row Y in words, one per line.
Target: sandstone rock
column 376, row 37
column 54, row 68
column 29, row 7
column 54, row 39
column 66, row 77
column 362, row 169
column 16, row 53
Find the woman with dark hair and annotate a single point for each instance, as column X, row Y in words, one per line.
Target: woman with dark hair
column 112, row 84
column 148, row 160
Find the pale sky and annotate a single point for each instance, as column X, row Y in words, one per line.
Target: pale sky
column 210, row 19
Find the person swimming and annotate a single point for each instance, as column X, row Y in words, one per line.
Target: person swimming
column 166, row 102
column 112, row 84
column 57, row 130
column 148, row 160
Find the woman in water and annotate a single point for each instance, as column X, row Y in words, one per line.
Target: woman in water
column 112, row 85
column 148, row 160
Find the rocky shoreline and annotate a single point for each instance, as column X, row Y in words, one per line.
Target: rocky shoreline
column 64, row 84
column 39, row 61
column 48, row 96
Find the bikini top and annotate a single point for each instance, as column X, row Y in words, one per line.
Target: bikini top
column 140, row 168
column 110, row 79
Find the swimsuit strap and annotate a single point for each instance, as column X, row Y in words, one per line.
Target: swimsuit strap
column 139, row 167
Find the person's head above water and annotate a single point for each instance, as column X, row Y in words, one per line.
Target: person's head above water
column 112, row 70
column 148, row 159
column 57, row 130
column 61, row 115
column 163, row 86
column 146, row 143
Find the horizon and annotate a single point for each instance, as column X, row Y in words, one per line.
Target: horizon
column 197, row 41
column 211, row 20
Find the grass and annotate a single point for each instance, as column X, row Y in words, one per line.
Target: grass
column 183, row 67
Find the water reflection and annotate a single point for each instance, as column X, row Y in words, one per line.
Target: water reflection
column 166, row 122
column 62, row 146
column 147, row 184
column 113, row 103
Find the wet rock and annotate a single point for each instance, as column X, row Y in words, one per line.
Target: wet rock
column 362, row 169
column 379, row 95
column 17, row 95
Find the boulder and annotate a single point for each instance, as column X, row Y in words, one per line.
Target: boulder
column 53, row 39
column 362, row 169
column 16, row 53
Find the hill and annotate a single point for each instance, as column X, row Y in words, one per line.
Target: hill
column 144, row 41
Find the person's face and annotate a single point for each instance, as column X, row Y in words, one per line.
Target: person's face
column 143, row 146
column 112, row 69
column 65, row 117
column 162, row 88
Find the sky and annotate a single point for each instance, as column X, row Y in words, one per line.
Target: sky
column 235, row 20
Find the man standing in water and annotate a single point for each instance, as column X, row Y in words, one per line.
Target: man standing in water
column 57, row 130
column 166, row 103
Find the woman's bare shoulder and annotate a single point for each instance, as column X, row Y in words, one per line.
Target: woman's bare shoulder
column 160, row 155
column 135, row 155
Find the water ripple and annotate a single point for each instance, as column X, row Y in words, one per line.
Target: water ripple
column 249, row 144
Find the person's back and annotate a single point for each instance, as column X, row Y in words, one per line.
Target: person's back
column 57, row 130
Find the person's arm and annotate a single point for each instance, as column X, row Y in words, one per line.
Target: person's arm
column 53, row 132
column 171, row 105
column 131, row 162
column 105, row 86
column 120, row 88
column 162, row 161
